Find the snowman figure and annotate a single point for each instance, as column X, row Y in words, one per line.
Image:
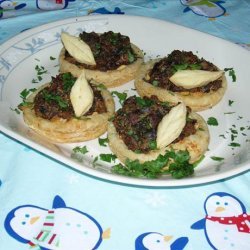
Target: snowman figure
column 207, row 8
column 158, row 241
column 226, row 223
column 61, row 227
column 8, row 7
column 52, row 4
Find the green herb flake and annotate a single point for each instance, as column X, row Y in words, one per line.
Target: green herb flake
column 58, row 99
column 234, row 131
column 223, row 136
column 108, row 157
column 216, row 158
column 152, row 145
column 16, row 110
column 178, row 67
column 233, row 137
column 34, row 81
column 68, row 81
column 234, row 144
column 144, row 102
column 229, row 113
column 121, row 96
column 231, row 73
column 212, row 121
column 95, row 161
column 101, row 86
column 103, row 141
column 179, row 166
column 230, row 102
column 155, row 83
column 131, row 57
column 82, row 150
column 52, row 58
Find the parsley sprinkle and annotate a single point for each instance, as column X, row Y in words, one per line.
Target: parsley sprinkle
column 34, row 81
column 108, row 157
column 52, row 58
column 230, row 102
column 68, row 81
column 16, row 110
column 229, row 113
column 82, row 150
column 234, row 144
column 231, row 73
column 101, row 87
column 131, row 57
column 155, row 83
column 121, row 96
column 24, row 95
column 95, row 161
column 103, row 141
column 216, row 158
column 179, row 166
column 212, row 121
column 223, row 136
column 152, row 145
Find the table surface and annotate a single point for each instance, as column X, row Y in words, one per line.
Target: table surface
column 114, row 216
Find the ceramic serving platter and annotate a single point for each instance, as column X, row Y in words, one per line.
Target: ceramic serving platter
column 22, row 56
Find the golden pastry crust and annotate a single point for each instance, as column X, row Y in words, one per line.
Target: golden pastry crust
column 197, row 101
column 110, row 78
column 196, row 144
column 60, row 130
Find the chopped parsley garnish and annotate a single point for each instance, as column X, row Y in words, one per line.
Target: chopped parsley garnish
column 185, row 66
column 234, row 144
column 178, row 166
column 40, row 70
column 180, row 66
column 155, row 83
column 68, row 81
column 24, row 94
column 212, row 121
column 52, row 97
column 121, row 96
column 230, row 102
column 223, row 136
column 152, row 145
column 95, row 161
column 52, row 58
column 16, row 110
column 231, row 73
column 144, row 102
column 101, row 86
column 216, row 158
column 82, row 150
column 229, row 113
column 131, row 57
column 103, row 141
column 108, row 157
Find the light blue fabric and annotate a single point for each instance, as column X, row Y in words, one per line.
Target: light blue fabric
column 29, row 177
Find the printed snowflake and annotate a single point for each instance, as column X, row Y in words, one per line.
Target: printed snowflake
column 155, row 199
column 73, row 179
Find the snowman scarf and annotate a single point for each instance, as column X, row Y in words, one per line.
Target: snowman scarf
column 45, row 235
column 240, row 221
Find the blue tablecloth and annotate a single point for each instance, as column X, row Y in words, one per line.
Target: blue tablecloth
column 112, row 216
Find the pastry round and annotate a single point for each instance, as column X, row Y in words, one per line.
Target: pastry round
column 196, row 144
column 110, row 78
column 61, row 130
column 197, row 101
